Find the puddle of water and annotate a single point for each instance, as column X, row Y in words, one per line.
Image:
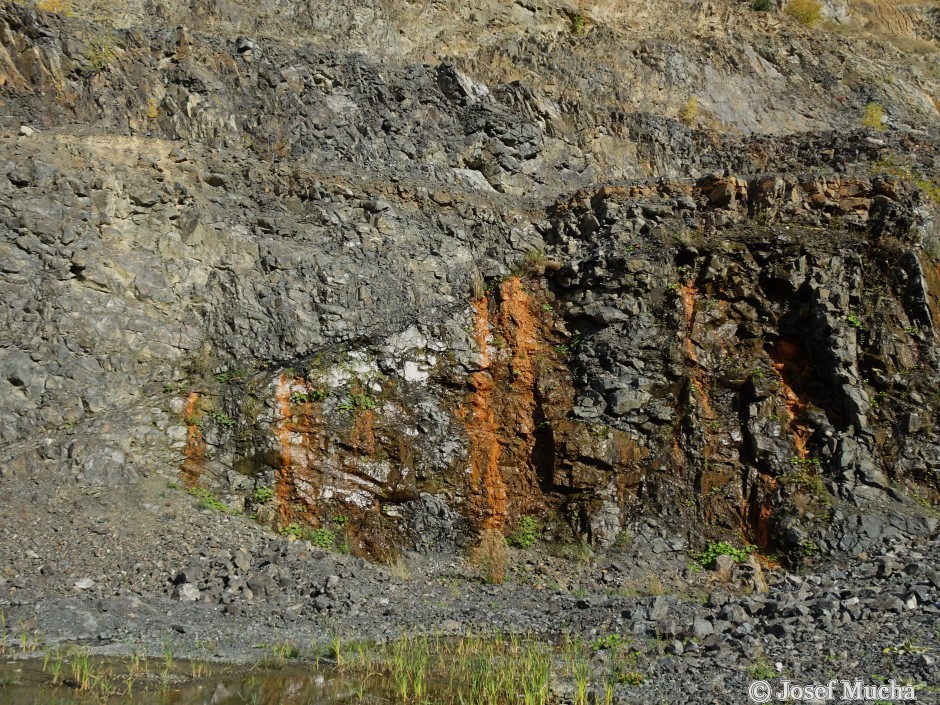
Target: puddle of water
column 480, row 670
column 24, row 683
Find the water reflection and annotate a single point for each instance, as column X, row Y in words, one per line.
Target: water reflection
column 291, row 686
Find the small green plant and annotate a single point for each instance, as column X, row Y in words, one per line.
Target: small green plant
column 293, row 529
column 222, row 419
column 762, row 5
column 808, row 462
column 230, row 376
column 874, row 116
column 167, row 645
column 356, row 401
column 263, row 495
column 806, row 12
column 323, row 538
column 908, row 647
column 53, row 661
column 207, row 500
column 855, row 321
column 610, row 642
column 279, row 655
column 929, row 186
column 100, row 54
column 761, row 670
column 564, row 349
column 534, row 262
column 299, row 398
column 577, row 22
column 806, row 477
column 525, row 534
column 632, row 678
column 709, row 556
column 623, row 538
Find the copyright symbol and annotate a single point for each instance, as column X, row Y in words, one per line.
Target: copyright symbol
column 759, row 692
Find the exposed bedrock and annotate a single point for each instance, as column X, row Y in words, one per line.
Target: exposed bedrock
column 336, row 290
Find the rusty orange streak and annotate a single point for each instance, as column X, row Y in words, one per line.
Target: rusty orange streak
column 786, row 357
column 282, row 430
column 195, row 443
column 479, row 416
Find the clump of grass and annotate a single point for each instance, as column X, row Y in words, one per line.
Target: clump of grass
column 534, row 262
column 874, row 116
column 632, row 678
column 577, row 22
column 279, row 654
column 76, row 668
column 577, row 663
column 690, row 111
column 398, row 568
column 100, row 54
column 492, row 556
column 495, row 670
column 806, row 12
column 579, row 551
column 53, row 661
column 81, row 666
column 762, row 5
column 152, row 113
column 62, row 7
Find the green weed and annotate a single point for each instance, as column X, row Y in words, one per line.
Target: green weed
column 709, row 556
column 263, row 495
column 525, row 534
column 207, row 500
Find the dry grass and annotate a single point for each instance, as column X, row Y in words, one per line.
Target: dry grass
column 398, row 568
column 690, row 112
column 491, row 555
column 62, row 7
column 874, row 116
column 806, row 12
column 910, row 45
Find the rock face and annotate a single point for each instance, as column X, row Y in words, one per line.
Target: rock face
column 352, row 291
